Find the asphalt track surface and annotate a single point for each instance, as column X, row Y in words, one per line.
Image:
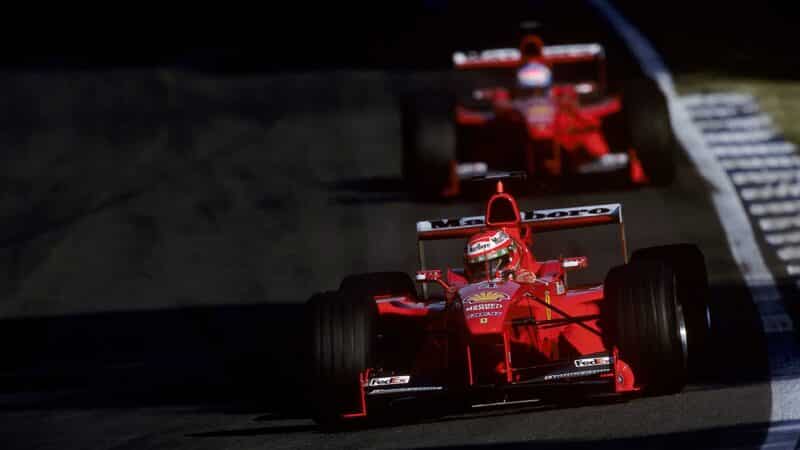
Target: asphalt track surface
column 162, row 311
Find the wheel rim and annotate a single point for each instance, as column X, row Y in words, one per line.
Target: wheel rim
column 681, row 324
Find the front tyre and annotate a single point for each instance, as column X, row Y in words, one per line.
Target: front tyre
column 688, row 263
column 641, row 315
column 342, row 331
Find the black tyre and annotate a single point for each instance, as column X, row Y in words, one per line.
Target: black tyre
column 428, row 143
column 689, row 265
column 641, row 315
column 647, row 117
column 378, row 283
column 342, row 331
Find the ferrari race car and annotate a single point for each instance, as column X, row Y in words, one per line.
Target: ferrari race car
column 540, row 108
column 498, row 336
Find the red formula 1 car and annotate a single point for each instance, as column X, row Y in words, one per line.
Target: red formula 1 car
column 501, row 335
column 541, row 109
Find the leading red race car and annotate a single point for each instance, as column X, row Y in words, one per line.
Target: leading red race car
column 508, row 327
column 540, row 108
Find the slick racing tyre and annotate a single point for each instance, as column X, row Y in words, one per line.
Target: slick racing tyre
column 641, row 315
column 689, row 265
column 342, row 331
column 428, row 144
column 647, row 117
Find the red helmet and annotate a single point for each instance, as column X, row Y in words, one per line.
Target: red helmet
column 489, row 253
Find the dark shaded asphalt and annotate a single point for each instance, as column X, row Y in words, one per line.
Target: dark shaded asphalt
column 155, row 272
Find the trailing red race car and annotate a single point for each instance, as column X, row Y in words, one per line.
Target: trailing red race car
column 508, row 327
column 542, row 109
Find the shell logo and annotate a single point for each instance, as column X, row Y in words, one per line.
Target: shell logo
column 487, row 296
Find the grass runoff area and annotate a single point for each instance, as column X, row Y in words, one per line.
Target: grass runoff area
column 727, row 46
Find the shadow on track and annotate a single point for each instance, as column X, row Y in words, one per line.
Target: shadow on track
column 241, row 359
column 749, row 435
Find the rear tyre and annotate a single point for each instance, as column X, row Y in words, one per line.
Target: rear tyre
column 647, row 117
column 342, row 332
column 641, row 315
column 689, row 265
column 428, row 144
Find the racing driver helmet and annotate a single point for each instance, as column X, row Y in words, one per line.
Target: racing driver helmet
column 534, row 80
column 489, row 254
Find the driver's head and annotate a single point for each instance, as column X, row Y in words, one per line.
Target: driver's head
column 489, row 253
column 533, row 80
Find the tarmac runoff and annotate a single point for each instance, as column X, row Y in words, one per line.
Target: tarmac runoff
column 732, row 143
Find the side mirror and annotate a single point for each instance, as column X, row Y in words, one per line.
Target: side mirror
column 577, row 262
column 431, row 276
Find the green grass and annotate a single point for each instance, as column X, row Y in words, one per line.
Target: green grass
column 779, row 98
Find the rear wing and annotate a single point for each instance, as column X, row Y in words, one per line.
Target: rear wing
column 538, row 221
column 512, row 57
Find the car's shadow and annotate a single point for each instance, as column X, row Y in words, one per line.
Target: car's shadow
column 242, row 358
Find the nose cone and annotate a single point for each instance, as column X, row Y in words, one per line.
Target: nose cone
column 486, row 304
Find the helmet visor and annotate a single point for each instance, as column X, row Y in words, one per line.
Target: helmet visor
column 488, row 268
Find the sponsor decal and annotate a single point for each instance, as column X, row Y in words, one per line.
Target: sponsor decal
column 487, row 296
column 479, row 246
column 499, row 237
column 547, row 309
column 579, row 373
column 540, row 110
column 484, row 314
column 526, row 216
column 561, row 213
column 484, row 307
column 560, row 288
column 484, row 321
column 589, row 362
column 489, row 243
column 388, row 381
column 534, row 75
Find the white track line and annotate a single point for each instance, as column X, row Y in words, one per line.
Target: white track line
column 783, row 350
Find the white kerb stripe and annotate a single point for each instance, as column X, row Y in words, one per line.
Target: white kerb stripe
column 757, row 162
column 765, row 176
column 779, row 223
column 724, row 98
column 736, row 123
column 722, row 112
column 782, row 190
column 789, row 253
column 783, row 238
column 775, row 208
column 740, row 137
column 770, row 149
